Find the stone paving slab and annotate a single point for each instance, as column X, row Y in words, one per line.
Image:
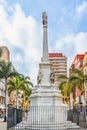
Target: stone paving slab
column 3, row 125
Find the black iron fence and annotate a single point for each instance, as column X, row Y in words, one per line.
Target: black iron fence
column 14, row 117
column 48, row 118
column 78, row 115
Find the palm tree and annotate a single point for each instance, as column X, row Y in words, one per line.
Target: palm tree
column 5, row 74
column 26, row 92
column 63, row 86
column 67, row 90
column 25, row 97
column 18, row 83
column 78, row 78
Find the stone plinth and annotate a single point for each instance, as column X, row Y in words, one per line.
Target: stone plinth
column 46, row 105
column 45, row 96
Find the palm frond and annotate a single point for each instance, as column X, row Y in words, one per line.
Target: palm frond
column 73, row 78
column 61, row 85
column 1, row 74
column 77, row 72
column 62, row 77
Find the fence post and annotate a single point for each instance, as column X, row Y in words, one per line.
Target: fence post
column 15, row 116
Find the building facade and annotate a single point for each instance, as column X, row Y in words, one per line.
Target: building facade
column 58, row 63
column 58, row 66
column 4, row 56
column 85, row 72
column 79, row 63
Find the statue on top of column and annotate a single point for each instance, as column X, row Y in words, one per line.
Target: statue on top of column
column 44, row 19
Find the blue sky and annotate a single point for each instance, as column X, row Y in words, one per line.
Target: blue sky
column 21, row 30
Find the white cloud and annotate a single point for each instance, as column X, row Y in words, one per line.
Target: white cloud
column 72, row 44
column 64, row 43
column 3, row 2
column 81, row 9
column 81, row 42
column 19, row 31
column 24, row 33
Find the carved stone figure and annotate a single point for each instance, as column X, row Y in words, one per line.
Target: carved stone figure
column 44, row 19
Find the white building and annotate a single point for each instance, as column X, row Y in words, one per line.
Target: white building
column 58, row 63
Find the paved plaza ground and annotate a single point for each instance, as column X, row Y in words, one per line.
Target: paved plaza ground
column 3, row 125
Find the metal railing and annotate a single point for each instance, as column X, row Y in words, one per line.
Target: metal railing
column 14, row 117
column 47, row 118
column 79, row 116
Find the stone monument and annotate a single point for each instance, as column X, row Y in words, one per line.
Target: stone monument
column 44, row 92
column 45, row 96
column 46, row 107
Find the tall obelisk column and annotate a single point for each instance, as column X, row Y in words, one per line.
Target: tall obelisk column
column 45, row 93
column 45, row 63
column 45, row 37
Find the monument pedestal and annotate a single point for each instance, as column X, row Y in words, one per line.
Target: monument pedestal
column 46, row 105
column 45, row 96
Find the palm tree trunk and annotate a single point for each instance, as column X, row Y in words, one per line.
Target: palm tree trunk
column 6, row 101
column 80, row 99
column 17, row 99
column 71, row 100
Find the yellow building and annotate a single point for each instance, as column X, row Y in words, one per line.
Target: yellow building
column 85, row 72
